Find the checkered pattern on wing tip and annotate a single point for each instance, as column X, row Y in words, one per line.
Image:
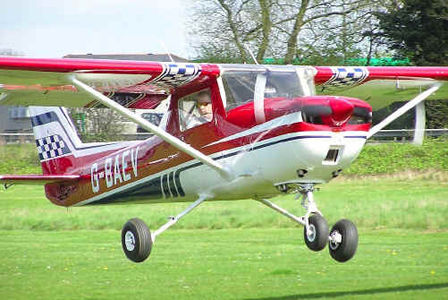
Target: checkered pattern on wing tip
column 347, row 76
column 177, row 74
column 51, row 147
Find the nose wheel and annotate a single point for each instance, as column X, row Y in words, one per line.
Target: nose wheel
column 343, row 240
column 343, row 237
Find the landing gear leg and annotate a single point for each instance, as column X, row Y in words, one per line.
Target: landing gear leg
column 343, row 236
column 315, row 232
column 315, row 226
column 137, row 240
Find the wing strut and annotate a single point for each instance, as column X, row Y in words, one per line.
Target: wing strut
column 421, row 97
column 154, row 129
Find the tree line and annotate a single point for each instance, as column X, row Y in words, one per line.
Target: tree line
column 319, row 31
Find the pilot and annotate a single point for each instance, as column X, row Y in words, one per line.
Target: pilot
column 204, row 112
column 204, row 105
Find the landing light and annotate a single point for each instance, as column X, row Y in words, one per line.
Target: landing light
column 336, row 173
column 301, row 172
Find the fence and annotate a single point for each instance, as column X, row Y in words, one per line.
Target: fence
column 405, row 135
column 396, row 135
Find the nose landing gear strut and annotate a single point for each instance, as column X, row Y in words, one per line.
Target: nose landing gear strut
column 342, row 239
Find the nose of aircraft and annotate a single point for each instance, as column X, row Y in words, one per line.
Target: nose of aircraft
column 332, row 111
column 342, row 110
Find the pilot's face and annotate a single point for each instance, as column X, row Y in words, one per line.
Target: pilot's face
column 204, row 105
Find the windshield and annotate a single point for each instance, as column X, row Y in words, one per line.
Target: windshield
column 240, row 85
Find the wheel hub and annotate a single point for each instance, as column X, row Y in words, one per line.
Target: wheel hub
column 335, row 240
column 129, row 241
column 311, row 233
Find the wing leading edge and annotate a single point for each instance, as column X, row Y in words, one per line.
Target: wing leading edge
column 349, row 76
column 49, row 82
column 381, row 86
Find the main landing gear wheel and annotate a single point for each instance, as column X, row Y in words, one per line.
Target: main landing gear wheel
column 343, row 240
column 136, row 240
column 317, row 237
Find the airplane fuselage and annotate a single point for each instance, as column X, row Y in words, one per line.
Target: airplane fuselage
column 263, row 159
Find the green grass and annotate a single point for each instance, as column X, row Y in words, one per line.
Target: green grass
column 50, row 252
column 257, row 253
column 221, row 264
column 371, row 203
column 392, row 158
column 19, row 159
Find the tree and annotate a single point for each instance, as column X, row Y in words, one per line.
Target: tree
column 335, row 39
column 418, row 29
column 101, row 124
column 291, row 29
column 222, row 29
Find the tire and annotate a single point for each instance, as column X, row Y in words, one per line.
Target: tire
column 319, row 237
column 346, row 249
column 136, row 240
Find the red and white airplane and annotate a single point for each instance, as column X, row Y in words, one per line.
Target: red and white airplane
column 230, row 132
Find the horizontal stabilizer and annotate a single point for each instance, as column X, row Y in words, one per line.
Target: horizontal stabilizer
column 36, row 179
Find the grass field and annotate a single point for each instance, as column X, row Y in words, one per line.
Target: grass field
column 229, row 250
column 221, row 264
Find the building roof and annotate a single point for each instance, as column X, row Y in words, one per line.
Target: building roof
column 163, row 57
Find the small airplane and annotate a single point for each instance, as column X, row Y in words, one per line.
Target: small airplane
column 231, row 131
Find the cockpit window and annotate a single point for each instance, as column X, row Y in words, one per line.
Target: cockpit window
column 240, row 85
column 195, row 109
column 282, row 84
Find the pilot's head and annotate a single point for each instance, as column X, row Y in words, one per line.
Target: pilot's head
column 204, row 104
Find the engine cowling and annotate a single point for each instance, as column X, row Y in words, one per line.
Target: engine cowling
column 328, row 111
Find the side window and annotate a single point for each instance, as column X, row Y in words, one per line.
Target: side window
column 195, row 109
column 239, row 87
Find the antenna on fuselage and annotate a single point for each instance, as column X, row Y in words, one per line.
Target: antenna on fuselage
column 251, row 54
column 167, row 52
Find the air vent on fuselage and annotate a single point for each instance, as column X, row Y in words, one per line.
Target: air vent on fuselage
column 332, row 156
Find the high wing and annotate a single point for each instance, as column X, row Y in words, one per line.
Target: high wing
column 87, row 83
column 381, row 86
column 49, row 82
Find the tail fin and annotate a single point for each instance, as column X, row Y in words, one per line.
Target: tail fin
column 54, row 132
column 60, row 149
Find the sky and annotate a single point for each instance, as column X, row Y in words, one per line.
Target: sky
column 54, row 28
